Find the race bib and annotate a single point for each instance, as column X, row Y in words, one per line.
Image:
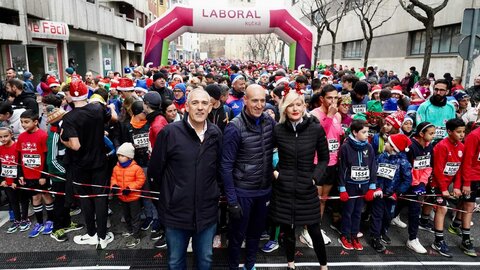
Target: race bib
column 451, row 168
column 421, row 162
column 359, row 108
column 333, row 145
column 386, row 170
column 440, row 132
column 141, row 140
column 360, row 173
column 9, row 171
column 31, row 160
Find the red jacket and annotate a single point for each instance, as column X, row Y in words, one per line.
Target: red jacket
column 447, row 158
column 158, row 124
column 471, row 160
column 131, row 177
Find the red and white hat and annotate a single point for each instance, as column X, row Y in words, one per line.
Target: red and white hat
column 421, row 92
column 78, row 90
column 113, row 84
column 52, row 81
column 376, row 89
column 399, row 142
column 125, row 84
column 396, row 119
column 397, row 89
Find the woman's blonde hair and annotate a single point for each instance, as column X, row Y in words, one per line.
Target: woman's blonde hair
column 286, row 101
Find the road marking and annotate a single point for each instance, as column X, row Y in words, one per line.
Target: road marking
column 79, row 268
column 393, row 263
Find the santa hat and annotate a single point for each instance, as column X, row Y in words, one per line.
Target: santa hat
column 391, row 105
column 421, row 92
column 52, row 81
column 399, row 142
column 396, row 119
column 177, row 76
column 113, row 84
column 397, row 89
column 78, row 90
column 141, row 85
column 125, row 84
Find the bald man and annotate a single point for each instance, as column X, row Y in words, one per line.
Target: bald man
column 184, row 166
column 247, row 171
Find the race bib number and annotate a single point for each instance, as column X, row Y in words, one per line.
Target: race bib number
column 141, row 140
column 451, row 168
column 359, row 108
column 360, row 173
column 31, row 160
column 386, row 170
column 440, row 132
column 333, row 145
column 9, row 171
column 421, row 162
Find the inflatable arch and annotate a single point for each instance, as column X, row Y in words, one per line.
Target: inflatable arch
column 215, row 20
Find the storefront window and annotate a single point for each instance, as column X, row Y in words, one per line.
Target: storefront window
column 19, row 58
column 52, row 61
column 108, row 53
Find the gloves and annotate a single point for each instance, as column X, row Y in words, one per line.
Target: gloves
column 235, row 211
column 378, row 193
column 344, row 196
column 126, row 191
column 369, row 195
column 393, row 196
column 419, row 189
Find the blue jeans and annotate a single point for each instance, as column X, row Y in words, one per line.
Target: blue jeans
column 352, row 210
column 202, row 245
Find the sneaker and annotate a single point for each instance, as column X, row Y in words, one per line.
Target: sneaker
column 442, row 248
column 336, row 227
column 11, row 216
column 426, row 227
column 265, row 236
column 132, row 242
column 73, row 227
column 397, row 222
column 467, row 247
column 217, row 241
column 25, row 225
column 86, row 239
column 416, row 246
column 48, row 228
column 75, row 211
column 161, row 243
column 102, row 243
column 345, row 242
column 385, row 239
column 37, row 229
column 146, row 224
column 356, row 244
column 306, row 239
column 454, row 230
column 127, row 234
column 110, row 212
column 155, row 225
column 377, row 244
column 59, row 235
column 326, row 239
column 156, row 235
column 14, row 227
column 359, row 235
column 270, row 246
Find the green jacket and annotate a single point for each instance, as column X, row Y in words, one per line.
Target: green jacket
column 55, row 154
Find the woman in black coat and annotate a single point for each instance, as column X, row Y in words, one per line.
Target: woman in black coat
column 295, row 200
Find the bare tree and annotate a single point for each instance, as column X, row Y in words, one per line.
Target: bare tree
column 252, row 47
column 428, row 21
column 310, row 9
column 367, row 13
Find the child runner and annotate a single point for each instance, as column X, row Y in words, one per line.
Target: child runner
column 32, row 149
column 447, row 156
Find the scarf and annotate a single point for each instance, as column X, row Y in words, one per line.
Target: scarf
column 126, row 163
column 356, row 144
column 137, row 123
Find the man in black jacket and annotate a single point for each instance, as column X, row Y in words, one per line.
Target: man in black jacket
column 21, row 99
column 160, row 85
column 247, row 172
column 184, row 164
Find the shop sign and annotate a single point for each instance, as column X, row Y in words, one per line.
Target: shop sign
column 48, row 29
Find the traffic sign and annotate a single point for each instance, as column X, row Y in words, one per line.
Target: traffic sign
column 467, row 22
column 464, row 47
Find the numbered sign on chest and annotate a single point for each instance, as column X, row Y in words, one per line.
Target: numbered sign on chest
column 359, row 108
column 333, row 145
column 360, row 173
column 421, row 162
column 386, row 170
column 31, row 160
column 140, row 140
column 9, row 171
column 440, row 132
column 451, row 168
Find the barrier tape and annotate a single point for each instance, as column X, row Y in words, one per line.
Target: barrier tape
column 434, row 205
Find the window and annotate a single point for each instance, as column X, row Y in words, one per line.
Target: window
column 445, row 40
column 352, row 49
column 91, row 1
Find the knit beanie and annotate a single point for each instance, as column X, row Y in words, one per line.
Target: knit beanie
column 126, row 149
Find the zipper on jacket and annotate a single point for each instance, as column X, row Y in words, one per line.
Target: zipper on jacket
column 295, row 179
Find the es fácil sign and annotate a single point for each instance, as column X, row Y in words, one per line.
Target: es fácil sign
column 48, row 29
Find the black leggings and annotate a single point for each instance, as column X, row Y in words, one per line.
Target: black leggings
column 19, row 200
column 317, row 239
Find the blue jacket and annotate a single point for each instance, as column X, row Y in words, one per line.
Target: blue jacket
column 350, row 157
column 395, row 178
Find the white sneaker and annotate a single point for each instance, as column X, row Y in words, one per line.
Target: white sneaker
column 306, row 239
column 359, row 235
column 85, row 239
column 416, row 246
column 397, row 222
column 102, row 243
column 326, row 239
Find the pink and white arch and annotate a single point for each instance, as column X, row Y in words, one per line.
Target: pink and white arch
column 218, row 20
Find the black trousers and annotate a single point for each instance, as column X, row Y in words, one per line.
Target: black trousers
column 317, row 239
column 61, row 211
column 132, row 212
column 18, row 198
